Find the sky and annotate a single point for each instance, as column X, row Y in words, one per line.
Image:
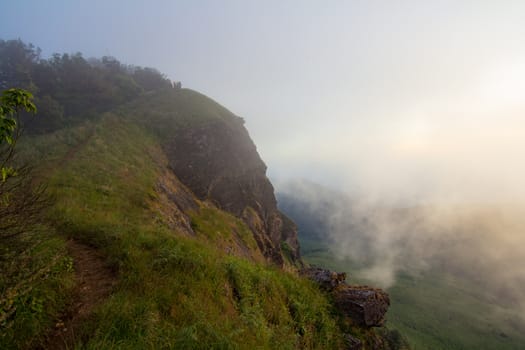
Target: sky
column 412, row 100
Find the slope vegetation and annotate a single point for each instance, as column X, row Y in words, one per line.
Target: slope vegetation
column 166, row 188
column 196, row 286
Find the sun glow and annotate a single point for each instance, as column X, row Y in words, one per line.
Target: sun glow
column 414, row 137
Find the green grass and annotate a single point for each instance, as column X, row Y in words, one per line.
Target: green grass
column 173, row 291
column 438, row 311
column 170, row 110
column 35, row 284
column 209, row 291
column 224, row 230
column 37, row 278
column 435, row 310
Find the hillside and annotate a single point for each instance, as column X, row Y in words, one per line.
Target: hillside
column 159, row 200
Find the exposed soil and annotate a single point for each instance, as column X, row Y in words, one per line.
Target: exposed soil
column 95, row 281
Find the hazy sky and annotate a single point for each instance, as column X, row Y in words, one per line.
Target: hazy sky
column 389, row 97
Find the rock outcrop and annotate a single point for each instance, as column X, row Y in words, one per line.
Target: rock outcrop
column 328, row 280
column 219, row 162
column 366, row 306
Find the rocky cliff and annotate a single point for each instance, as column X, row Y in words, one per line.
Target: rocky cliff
column 142, row 178
column 219, row 162
column 212, row 162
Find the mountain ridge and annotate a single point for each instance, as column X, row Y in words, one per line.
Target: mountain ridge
column 168, row 186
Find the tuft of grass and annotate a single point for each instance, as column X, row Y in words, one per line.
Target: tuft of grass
column 227, row 232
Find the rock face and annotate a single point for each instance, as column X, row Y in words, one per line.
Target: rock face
column 366, row 306
column 175, row 201
column 219, row 162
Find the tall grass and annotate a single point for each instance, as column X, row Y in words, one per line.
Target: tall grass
column 173, row 291
column 36, row 280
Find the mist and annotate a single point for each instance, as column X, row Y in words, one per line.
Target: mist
column 404, row 100
column 413, row 110
column 404, row 121
column 480, row 243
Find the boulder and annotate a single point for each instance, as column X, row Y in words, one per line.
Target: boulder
column 366, row 306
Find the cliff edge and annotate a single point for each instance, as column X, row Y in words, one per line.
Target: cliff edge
column 217, row 160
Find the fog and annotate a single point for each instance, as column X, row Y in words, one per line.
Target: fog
column 414, row 109
column 405, row 100
column 481, row 243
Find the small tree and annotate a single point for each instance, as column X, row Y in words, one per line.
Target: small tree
column 12, row 102
column 20, row 202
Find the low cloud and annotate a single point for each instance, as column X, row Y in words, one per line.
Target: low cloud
column 480, row 242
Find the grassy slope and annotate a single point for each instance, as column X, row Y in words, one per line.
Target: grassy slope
column 437, row 311
column 35, row 282
column 173, row 291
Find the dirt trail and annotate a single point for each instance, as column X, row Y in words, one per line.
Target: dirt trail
column 75, row 149
column 94, row 283
column 51, row 167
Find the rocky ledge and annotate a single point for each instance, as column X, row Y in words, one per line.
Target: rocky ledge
column 366, row 306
